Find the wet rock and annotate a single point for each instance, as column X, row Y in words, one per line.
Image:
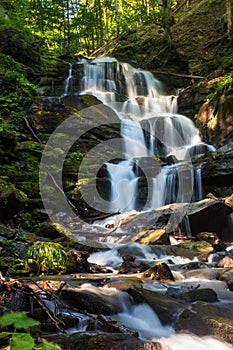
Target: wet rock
column 192, row 265
column 225, row 262
column 52, row 231
column 81, row 263
column 160, row 272
column 85, row 301
column 204, row 319
column 102, row 341
column 12, row 200
column 206, row 273
column 202, row 294
column 209, row 216
column 193, row 294
column 190, row 249
column 227, row 276
column 213, row 239
column 158, row 236
column 47, row 114
column 13, row 298
column 125, row 284
column 128, row 265
column 113, row 326
column 213, row 257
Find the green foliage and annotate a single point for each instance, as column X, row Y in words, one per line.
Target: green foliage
column 227, row 56
column 21, row 340
column 19, row 320
column 52, row 257
column 16, row 92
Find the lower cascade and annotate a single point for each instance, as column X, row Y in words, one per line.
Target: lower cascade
column 150, row 128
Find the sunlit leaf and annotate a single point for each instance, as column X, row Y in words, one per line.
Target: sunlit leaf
column 19, row 320
column 4, row 334
column 22, row 341
column 47, row 346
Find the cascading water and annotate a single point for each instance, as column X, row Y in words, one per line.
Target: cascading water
column 150, row 126
column 68, row 81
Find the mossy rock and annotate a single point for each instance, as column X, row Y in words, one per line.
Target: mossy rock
column 31, row 189
column 189, row 249
column 90, row 100
column 32, row 147
column 205, row 319
column 53, row 231
column 12, row 200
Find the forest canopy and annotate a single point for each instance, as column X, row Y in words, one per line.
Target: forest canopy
column 68, row 26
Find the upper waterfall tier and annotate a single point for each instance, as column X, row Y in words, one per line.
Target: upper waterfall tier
column 150, row 128
column 140, row 102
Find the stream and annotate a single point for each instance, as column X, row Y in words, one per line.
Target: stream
column 152, row 129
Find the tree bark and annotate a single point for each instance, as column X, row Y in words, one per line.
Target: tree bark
column 229, row 6
column 165, row 7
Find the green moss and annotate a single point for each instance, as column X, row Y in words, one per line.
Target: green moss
column 52, row 257
column 16, row 92
column 30, row 188
column 7, row 190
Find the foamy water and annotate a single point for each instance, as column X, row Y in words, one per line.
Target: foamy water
column 192, row 342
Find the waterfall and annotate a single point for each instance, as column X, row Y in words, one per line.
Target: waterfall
column 68, row 81
column 123, row 186
column 98, row 79
column 140, row 317
column 150, row 127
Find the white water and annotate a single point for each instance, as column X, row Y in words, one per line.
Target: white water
column 150, row 126
column 144, row 320
column 140, row 318
column 192, row 342
column 68, row 81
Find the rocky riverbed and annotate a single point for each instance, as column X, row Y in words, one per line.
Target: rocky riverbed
column 122, row 291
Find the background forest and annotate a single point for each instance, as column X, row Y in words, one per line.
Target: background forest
column 177, row 36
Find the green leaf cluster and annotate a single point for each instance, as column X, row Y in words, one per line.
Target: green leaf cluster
column 20, row 338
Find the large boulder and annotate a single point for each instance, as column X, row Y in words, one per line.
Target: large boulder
column 203, row 319
column 209, row 214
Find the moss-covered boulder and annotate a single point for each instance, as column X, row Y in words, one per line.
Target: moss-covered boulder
column 204, row 319
column 12, row 200
column 189, row 249
column 53, row 231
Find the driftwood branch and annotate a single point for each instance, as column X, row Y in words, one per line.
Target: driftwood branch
column 31, row 130
column 178, row 74
column 62, row 192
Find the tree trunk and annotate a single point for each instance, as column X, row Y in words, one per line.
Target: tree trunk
column 165, row 7
column 229, row 6
column 117, row 18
